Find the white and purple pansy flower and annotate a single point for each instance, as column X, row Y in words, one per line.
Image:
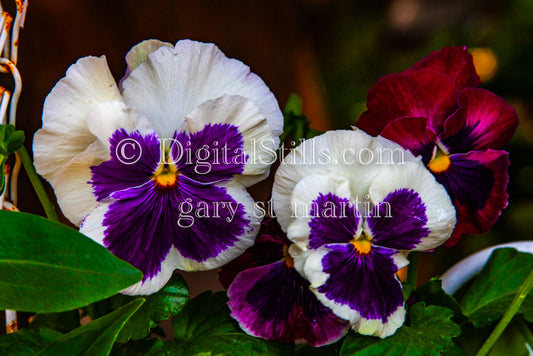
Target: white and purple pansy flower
column 436, row 110
column 156, row 170
column 270, row 299
column 353, row 218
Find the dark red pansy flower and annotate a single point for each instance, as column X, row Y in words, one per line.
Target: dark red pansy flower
column 436, row 110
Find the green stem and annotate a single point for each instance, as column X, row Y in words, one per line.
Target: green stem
column 412, row 270
column 526, row 331
column 27, row 163
column 508, row 315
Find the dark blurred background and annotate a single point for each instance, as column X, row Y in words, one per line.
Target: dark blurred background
column 330, row 52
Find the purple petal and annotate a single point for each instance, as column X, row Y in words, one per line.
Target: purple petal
column 274, row 302
column 139, row 228
column 335, row 220
column 454, row 62
column 476, row 182
column 144, row 222
column 399, row 221
column 483, row 121
column 134, row 158
column 213, row 154
column 365, row 283
column 222, row 221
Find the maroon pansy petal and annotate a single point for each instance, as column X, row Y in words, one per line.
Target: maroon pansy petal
column 483, row 121
column 335, row 220
column 413, row 134
column 411, row 93
column 274, row 302
column 476, row 182
column 134, row 158
column 455, row 62
column 399, row 221
column 213, row 154
column 268, row 248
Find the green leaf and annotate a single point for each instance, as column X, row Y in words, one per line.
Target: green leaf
column 296, row 126
column 10, row 141
column 143, row 347
column 432, row 294
column 63, row 322
column 27, row 341
column 95, row 338
column 495, row 287
column 159, row 306
column 48, row 267
column 327, row 350
column 293, row 105
column 205, row 327
column 429, row 333
column 511, row 342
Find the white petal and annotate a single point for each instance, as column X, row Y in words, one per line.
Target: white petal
column 72, row 188
column 299, row 257
column 375, row 327
column 353, row 155
column 439, row 209
column 259, row 143
column 65, row 133
column 305, row 192
column 93, row 227
column 155, row 283
column 139, row 53
column 241, row 196
column 106, row 118
column 52, row 151
column 172, row 82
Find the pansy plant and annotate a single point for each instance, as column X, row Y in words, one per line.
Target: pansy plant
column 156, row 170
column 354, row 206
column 436, row 110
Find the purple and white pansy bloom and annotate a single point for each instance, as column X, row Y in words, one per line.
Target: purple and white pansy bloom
column 156, row 170
column 355, row 206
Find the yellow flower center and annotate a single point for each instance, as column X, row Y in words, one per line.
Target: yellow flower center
column 363, row 246
column 440, row 162
column 166, row 176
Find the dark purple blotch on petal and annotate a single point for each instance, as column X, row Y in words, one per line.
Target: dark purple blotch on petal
column 213, row 154
column 334, row 220
column 134, row 158
column 365, row 282
column 139, row 228
column 399, row 221
column 461, row 141
column 216, row 220
column 467, row 181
